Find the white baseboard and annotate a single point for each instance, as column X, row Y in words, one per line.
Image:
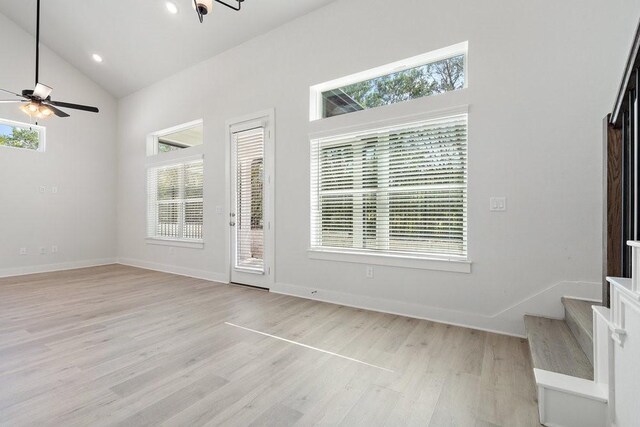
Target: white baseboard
column 174, row 269
column 47, row 268
column 509, row 321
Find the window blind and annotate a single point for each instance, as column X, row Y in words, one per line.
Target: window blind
column 395, row 190
column 249, row 157
column 175, row 201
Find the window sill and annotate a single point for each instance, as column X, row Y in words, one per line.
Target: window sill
column 403, row 261
column 175, row 243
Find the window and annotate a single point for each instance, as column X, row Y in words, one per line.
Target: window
column 395, row 190
column 425, row 75
column 175, row 201
column 21, row 135
column 175, row 139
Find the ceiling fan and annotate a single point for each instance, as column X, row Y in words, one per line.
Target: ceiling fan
column 203, row 7
column 38, row 102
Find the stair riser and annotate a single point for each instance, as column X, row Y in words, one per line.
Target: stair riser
column 559, row 408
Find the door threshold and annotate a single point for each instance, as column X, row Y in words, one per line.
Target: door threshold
column 260, row 288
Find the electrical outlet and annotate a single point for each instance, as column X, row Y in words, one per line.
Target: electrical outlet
column 23, row 251
column 369, row 272
column 498, row 204
column 43, row 250
column 54, row 249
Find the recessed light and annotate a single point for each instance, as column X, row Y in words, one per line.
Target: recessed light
column 96, row 57
column 171, row 7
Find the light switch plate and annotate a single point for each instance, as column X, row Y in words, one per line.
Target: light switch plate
column 498, row 204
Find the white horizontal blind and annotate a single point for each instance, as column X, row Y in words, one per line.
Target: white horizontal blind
column 249, row 156
column 400, row 189
column 175, row 201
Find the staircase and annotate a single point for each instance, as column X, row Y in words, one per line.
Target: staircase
column 563, row 346
column 586, row 365
column 562, row 354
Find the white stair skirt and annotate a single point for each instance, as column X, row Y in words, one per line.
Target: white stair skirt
column 623, row 339
column 565, row 401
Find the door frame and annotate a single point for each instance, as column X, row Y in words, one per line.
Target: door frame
column 267, row 117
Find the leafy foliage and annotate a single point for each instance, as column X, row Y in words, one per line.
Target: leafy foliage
column 21, row 138
column 165, row 148
column 430, row 79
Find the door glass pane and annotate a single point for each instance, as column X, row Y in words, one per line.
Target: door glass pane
column 249, row 147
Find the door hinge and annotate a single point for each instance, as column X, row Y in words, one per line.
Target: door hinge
column 269, row 225
column 269, row 271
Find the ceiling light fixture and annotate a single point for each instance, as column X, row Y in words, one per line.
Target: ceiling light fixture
column 171, row 7
column 97, row 57
column 203, row 7
column 36, row 109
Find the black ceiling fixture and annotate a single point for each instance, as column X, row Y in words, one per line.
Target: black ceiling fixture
column 203, row 7
column 38, row 102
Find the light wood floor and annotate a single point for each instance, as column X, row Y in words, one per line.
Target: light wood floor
column 117, row 345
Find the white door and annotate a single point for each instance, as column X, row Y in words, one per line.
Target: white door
column 250, row 217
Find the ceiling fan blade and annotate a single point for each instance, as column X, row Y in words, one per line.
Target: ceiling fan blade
column 42, row 91
column 11, row 101
column 12, row 93
column 57, row 112
column 73, row 106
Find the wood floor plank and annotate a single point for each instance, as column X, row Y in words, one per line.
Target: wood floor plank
column 116, row 345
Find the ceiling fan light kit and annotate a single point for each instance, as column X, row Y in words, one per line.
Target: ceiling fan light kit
column 34, row 110
column 37, row 102
column 204, row 7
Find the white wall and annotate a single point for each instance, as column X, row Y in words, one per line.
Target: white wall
column 542, row 75
column 79, row 159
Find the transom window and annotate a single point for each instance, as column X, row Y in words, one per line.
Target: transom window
column 394, row 190
column 430, row 74
column 175, row 139
column 21, row 135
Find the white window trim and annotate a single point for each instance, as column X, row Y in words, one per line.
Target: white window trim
column 391, row 260
column 315, row 98
column 404, row 260
column 407, row 119
column 152, row 140
column 176, row 243
column 41, row 135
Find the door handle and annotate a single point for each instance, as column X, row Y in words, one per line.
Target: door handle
column 232, row 223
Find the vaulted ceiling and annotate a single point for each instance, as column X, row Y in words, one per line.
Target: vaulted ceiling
column 139, row 40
